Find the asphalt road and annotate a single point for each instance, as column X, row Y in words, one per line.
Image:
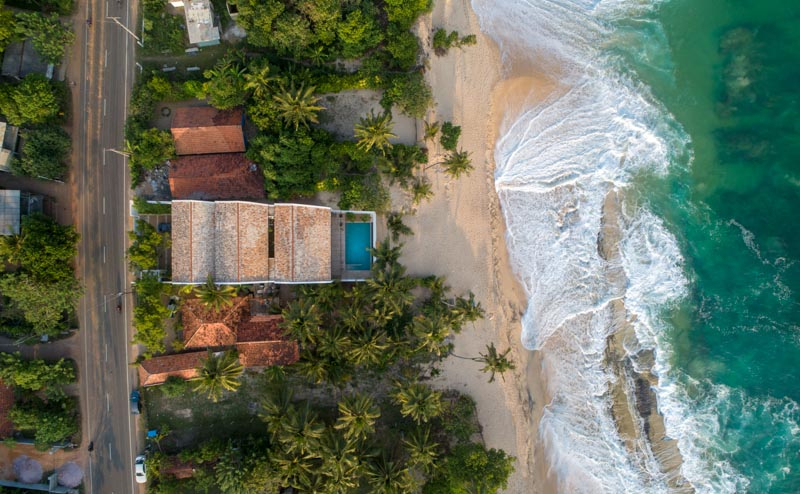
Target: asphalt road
column 103, row 189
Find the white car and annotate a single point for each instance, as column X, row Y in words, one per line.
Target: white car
column 140, row 470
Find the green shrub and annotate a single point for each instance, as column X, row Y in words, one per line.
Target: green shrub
column 404, row 48
column 163, row 32
column 459, row 420
column 50, row 422
column 366, row 193
column 50, row 38
column 173, row 387
column 146, row 245
column 443, row 41
column 149, row 315
column 143, row 207
column 410, row 93
column 450, row 135
column 34, row 100
column 35, row 374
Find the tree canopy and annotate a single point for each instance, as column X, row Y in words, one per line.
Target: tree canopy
column 49, row 36
column 45, row 152
column 35, row 374
column 34, row 100
column 146, row 245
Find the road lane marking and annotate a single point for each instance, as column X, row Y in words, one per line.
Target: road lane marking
column 105, row 304
column 104, row 157
column 104, row 204
column 105, row 60
column 108, row 409
column 106, row 352
column 104, row 107
column 106, row 7
column 104, row 254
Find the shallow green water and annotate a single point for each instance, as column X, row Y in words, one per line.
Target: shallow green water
column 732, row 80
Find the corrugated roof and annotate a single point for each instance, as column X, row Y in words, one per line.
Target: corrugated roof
column 213, row 177
column 206, row 130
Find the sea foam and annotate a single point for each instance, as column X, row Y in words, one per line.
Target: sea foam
column 555, row 164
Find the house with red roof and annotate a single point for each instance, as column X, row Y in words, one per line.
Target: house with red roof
column 257, row 338
column 207, row 130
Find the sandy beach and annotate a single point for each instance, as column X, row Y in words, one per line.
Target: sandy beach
column 460, row 234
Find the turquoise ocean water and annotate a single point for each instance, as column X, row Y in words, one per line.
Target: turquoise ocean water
column 689, row 109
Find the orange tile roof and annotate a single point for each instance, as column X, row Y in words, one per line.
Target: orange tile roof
column 206, row 130
column 268, row 353
column 260, row 328
column 214, row 177
column 156, row 370
column 6, row 402
column 208, row 328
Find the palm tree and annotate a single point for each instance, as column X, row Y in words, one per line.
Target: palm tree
column 457, row 163
column 313, row 368
column 298, row 106
column 385, row 255
column 369, row 349
column 275, row 407
column 495, row 363
column 421, row 189
column 217, row 373
column 432, row 333
column 258, row 80
column 302, row 321
column 422, row 451
column 418, row 401
column 340, row 463
column 387, row 476
column 391, row 289
column 300, row 432
column 334, row 343
column 431, row 129
column 357, row 416
column 374, row 131
column 215, row 296
column 436, row 284
column 394, row 222
column 295, row 469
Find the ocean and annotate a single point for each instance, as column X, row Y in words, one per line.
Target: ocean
column 650, row 201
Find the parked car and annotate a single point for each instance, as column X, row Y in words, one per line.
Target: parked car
column 164, row 227
column 140, row 470
column 136, row 402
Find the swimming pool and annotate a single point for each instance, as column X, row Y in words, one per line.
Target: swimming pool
column 357, row 241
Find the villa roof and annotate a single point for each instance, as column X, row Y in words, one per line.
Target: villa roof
column 230, row 241
column 213, row 177
column 260, row 328
column 6, row 403
column 156, row 370
column 206, row 130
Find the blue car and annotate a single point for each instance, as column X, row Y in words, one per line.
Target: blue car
column 135, row 403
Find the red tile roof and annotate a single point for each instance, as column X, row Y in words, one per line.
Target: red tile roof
column 204, row 327
column 206, row 130
column 268, row 353
column 260, row 328
column 215, row 177
column 156, row 370
column 6, row 402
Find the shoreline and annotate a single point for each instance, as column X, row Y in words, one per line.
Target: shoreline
column 460, row 234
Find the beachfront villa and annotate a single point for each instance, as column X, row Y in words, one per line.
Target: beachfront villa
column 241, row 242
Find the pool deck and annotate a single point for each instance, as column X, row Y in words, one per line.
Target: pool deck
column 338, row 267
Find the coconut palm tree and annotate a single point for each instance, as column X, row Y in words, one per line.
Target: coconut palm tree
column 418, row 401
column 300, row 432
column 385, row 255
column 217, row 373
column 391, row 289
column 369, row 348
column 394, row 222
column 387, row 476
column 302, row 321
column 357, row 416
column 422, row 451
column 275, row 407
column 431, row 331
column 297, row 106
column 340, row 463
column 495, row 363
column 258, row 80
column 295, row 469
column 421, row 189
column 334, row 343
column 215, row 296
column 374, row 131
column 431, row 129
column 457, row 163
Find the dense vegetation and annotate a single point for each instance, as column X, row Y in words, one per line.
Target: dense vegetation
column 146, row 246
column 45, row 153
column 149, row 314
column 367, row 347
column 33, row 100
column 40, row 296
column 41, row 408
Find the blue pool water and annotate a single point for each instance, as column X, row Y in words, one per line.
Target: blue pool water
column 357, row 241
